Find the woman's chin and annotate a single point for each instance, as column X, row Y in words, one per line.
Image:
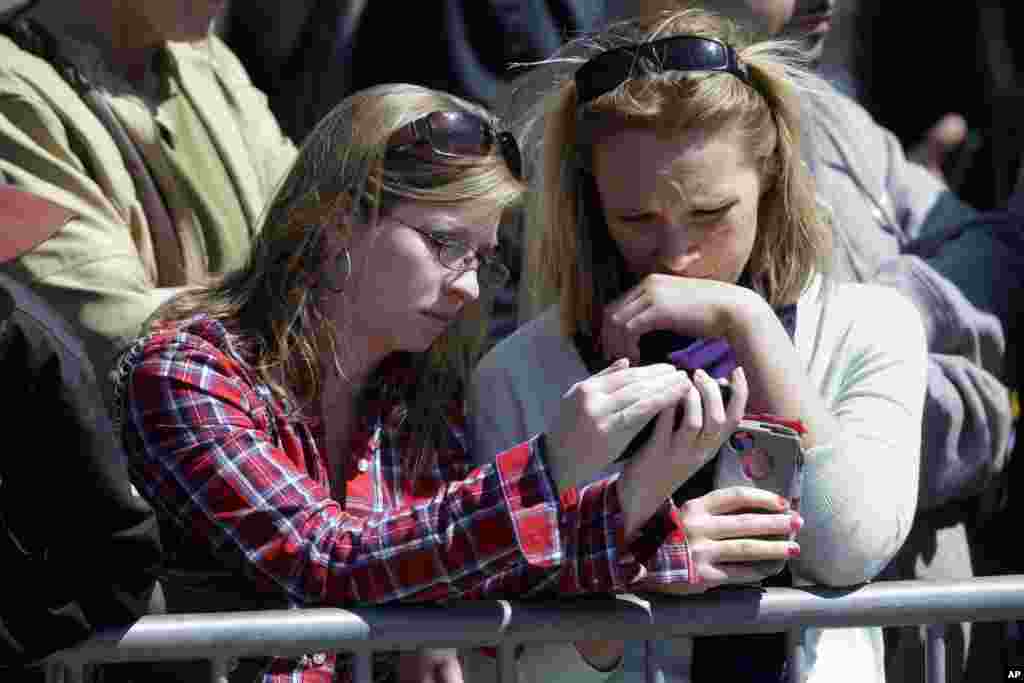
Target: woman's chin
column 425, row 344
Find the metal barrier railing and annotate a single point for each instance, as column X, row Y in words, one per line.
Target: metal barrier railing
column 220, row 638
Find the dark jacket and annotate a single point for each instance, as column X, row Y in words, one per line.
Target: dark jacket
column 77, row 543
column 308, row 55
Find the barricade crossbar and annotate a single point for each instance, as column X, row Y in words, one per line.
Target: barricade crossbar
column 222, row 637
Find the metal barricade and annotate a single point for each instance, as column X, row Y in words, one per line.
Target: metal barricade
column 221, row 638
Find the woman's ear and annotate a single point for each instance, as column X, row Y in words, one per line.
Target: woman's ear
column 339, row 218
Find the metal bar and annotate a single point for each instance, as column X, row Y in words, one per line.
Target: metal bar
column 652, row 664
column 794, row 655
column 74, row 673
column 220, row 669
column 935, row 653
column 887, row 603
column 508, row 668
column 291, row 633
column 362, row 666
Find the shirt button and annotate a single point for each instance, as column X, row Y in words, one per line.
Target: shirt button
column 363, row 464
column 319, row 658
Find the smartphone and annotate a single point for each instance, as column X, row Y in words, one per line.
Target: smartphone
column 658, row 347
column 764, row 452
column 644, row 434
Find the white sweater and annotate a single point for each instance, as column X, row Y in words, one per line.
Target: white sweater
column 863, row 347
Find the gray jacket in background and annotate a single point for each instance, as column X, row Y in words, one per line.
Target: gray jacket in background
column 898, row 225
column 883, row 205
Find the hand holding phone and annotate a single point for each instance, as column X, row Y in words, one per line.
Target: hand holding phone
column 744, row 530
column 644, row 434
column 662, row 346
column 764, row 452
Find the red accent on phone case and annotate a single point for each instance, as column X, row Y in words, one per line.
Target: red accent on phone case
column 795, row 425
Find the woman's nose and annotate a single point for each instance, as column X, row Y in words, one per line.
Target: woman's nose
column 677, row 250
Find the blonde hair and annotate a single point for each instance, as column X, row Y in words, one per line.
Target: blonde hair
column 343, row 180
column 565, row 250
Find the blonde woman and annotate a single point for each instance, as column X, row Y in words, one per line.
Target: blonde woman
column 672, row 199
column 299, row 424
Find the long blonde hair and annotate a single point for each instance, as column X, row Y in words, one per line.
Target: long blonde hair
column 343, row 181
column 566, row 255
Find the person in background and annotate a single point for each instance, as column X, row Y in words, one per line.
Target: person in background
column 308, row 54
column 984, row 49
column 672, row 200
column 145, row 126
column 324, row 460
column 79, row 548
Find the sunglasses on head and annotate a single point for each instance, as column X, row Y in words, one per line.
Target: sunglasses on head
column 610, row 69
column 457, row 135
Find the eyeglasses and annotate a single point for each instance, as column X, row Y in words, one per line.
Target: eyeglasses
column 456, row 135
column 458, row 256
column 610, row 69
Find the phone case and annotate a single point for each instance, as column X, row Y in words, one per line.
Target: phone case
column 764, row 452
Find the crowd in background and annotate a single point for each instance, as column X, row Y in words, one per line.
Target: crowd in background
column 186, row 190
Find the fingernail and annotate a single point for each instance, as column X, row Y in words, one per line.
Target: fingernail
column 740, row 373
column 701, row 375
column 796, row 523
column 783, row 504
column 793, row 550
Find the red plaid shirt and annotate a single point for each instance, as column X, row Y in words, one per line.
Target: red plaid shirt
column 236, row 472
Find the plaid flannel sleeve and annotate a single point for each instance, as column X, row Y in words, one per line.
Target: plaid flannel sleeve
column 662, row 545
column 501, row 531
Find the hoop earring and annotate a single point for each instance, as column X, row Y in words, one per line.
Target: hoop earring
column 329, row 281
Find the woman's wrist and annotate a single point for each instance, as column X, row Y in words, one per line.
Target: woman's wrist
column 552, row 455
column 643, row 487
column 746, row 314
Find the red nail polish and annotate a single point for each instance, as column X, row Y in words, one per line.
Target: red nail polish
column 793, row 551
column 796, row 523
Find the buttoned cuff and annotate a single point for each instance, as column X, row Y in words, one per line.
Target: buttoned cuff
column 664, row 548
column 533, row 502
column 581, row 530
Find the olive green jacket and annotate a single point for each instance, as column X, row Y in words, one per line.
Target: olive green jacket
column 100, row 270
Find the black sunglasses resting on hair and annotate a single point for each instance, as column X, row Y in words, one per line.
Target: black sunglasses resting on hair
column 608, row 70
column 457, row 134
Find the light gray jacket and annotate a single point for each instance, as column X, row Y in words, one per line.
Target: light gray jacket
column 881, row 203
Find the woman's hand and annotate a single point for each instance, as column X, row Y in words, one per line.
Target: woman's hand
column 430, row 666
column 687, row 306
column 600, row 416
column 674, row 454
column 724, row 544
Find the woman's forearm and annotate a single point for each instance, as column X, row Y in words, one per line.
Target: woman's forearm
column 778, row 383
column 643, row 490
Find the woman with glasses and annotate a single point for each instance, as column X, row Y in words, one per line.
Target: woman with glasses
column 674, row 220
column 299, row 424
